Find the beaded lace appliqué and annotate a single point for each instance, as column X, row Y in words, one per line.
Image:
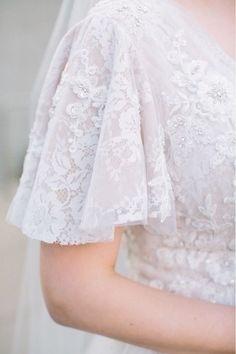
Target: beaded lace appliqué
column 202, row 97
column 96, row 170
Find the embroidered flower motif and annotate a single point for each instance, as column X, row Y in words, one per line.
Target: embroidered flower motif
column 192, row 72
column 99, row 96
column 200, row 132
column 175, row 123
column 131, row 15
column 81, row 86
column 45, row 219
column 215, row 95
column 202, row 96
column 75, row 110
column 196, row 69
column 92, row 100
column 225, row 147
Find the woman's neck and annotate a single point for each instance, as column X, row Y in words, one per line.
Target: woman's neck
column 217, row 17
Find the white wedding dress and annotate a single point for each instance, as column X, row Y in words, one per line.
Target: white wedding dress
column 135, row 127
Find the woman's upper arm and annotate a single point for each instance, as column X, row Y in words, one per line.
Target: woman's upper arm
column 63, row 266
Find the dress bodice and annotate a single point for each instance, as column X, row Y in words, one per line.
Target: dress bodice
column 194, row 86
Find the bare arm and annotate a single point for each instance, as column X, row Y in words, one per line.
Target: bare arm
column 82, row 290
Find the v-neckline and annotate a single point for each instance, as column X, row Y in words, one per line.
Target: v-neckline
column 202, row 31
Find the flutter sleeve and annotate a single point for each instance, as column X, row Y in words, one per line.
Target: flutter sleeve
column 95, row 158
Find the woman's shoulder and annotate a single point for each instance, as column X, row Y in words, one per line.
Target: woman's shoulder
column 131, row 19
column 129, row 14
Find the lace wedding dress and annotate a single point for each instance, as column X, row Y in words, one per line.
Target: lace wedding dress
column 135, row 127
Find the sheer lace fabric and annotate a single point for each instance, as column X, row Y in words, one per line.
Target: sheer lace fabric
column 87, row 144
column 135, row 127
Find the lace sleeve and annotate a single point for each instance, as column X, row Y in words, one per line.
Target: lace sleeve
column 101, row 162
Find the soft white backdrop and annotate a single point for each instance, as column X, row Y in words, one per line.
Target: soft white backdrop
column 24, row 31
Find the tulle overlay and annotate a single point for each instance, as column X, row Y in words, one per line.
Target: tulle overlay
column 95, row 157
column 135, row 126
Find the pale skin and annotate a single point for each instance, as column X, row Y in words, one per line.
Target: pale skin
column 83, row 290
column 217, row 17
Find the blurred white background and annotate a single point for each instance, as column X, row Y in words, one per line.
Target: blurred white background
column 25, row 27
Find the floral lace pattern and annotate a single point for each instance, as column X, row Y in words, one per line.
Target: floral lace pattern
column 135, row 127
column 99, row 164
column 203, row 98
column 201, row 94
column 199, row 260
